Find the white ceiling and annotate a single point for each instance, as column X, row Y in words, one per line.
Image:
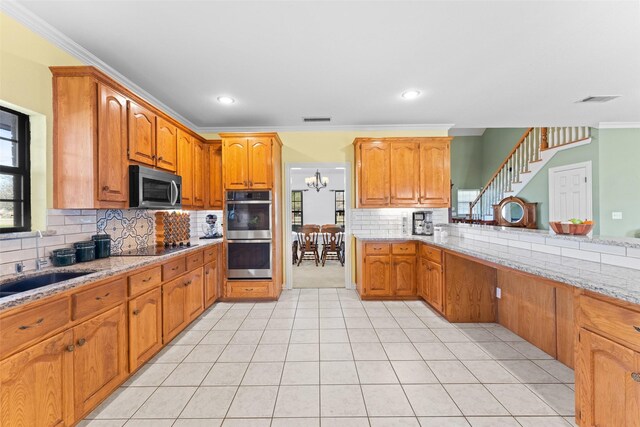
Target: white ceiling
column 478, row 63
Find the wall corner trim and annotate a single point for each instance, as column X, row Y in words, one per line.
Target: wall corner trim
column 619, row 125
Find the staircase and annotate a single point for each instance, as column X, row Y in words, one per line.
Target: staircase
column 534, row 150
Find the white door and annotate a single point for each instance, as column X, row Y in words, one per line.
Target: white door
column 570, row 192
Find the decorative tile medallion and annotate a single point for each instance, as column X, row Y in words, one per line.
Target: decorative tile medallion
column 128, row 229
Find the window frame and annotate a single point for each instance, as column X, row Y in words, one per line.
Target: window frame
column 336, row 210
column 300, row 211
column 466, row 203
column 23, row 169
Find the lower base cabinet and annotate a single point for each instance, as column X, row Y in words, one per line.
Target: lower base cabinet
column 99, row 358
column 470, row 294
column 211, row 283
column 607, row 383
column 435, row 286
column 145, row 327
column 182, row 301
column 36, row 385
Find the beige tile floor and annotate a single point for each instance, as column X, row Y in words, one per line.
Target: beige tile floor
column 323, row 357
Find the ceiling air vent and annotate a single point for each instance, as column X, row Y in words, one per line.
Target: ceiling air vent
column 599, row 98
column 316, row 119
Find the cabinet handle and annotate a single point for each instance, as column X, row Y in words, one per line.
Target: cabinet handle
column 160, row 158
column 635, row 376
column 250, row 183
column 105, row 188
column 175, row 268
column 136, row 312
column 36, row 323
column 70, row 348
column 249, row 290
column 637, row 328
column 188, row 283
column 153, row 157
column 81, row 342
column 147, row 279
column 103, row 296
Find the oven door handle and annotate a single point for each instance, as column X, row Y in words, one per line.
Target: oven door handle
column 248, row 202
column 250, row 241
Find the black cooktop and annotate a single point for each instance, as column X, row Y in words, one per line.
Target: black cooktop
column 152, row 250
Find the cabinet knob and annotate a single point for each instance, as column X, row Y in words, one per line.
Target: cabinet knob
column 153, row 157
column 635, row 376
column 637, row 328
column 250, row 183
column 105, row 188
column 81, row 342
column 160, row 158
column 136, row 312
column 70, row 348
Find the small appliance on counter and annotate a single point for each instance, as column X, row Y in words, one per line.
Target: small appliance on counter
column 423, row 223
column 211, row 229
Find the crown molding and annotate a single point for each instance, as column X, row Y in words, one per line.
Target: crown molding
column 335, row 128
column 618, row 125
column 36, row 24
column 467, row 131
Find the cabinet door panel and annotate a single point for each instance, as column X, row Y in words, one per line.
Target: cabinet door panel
column 173, row 308
column 113, row 182
column 214, row 187
column 259, row 163
column 436, row 285
column 166, row 145
column 405, row 173
column 374, row 174
column 145, row 327
column 210, row 283
column 186, row 166
column 377, row 275
column 423, row 283
column 198, row 174
column 235, row 165
column 435, row 174
column 142, row 135
column 606, row 391
column 194, row 294
column 100, row 357
column 404, row 275
column 36, row 385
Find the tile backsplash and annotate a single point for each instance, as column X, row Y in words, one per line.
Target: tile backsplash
column 129, row 229
column 388, row 221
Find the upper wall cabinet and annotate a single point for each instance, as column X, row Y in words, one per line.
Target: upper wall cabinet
column 213, row 175
column 248, row 162
column 402, row 172
column 100, row 127
column 199, row 177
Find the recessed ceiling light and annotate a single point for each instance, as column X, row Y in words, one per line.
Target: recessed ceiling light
column 226, row 100
column 411, row 94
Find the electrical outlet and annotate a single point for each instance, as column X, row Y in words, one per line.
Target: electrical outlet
column 498, row 293
column 616, row 215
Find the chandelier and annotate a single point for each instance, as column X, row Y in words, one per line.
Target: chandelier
column 317, row 181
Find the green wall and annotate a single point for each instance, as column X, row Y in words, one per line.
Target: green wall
column 497, row 143
column 619, row 151
column 466, row 164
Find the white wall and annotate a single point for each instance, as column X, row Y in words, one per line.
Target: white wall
column 318, row 207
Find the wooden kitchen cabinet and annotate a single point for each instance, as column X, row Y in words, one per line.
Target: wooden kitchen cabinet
column 211, row 283
column 435, row 173
column 198, row 173
column 435, row 285
column 145, row 327
column 247, row 162
column 174, row 312
column 36, row 384
column 142, row 134
column 214, row 193
column 194, row 296
column 99, row 358
column 470, row 290
column 372, row 165
column 186, row 167
column 113, row 184
column 607, row 382
column 166, row 145
column 387, row 269
column 403, row 275
column 377, row 275
column 403, row 172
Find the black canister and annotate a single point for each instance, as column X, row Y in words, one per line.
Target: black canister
column 103, row 245
column 63, row 257
column 85, row 251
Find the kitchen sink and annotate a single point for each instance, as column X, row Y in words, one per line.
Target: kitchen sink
column 35, row 282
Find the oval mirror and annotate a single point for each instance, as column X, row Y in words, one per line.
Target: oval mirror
column 512, row 212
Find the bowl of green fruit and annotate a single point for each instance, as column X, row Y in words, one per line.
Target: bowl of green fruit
column 574, row 226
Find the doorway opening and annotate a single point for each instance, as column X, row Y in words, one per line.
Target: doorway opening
column 317, row 247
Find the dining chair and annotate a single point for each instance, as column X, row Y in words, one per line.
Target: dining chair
column 332, row 236
column 308, row 243
column 294, row 251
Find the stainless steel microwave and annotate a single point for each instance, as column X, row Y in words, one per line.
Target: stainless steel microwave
column 154, row 189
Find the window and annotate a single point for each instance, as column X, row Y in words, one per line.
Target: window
column 339, row 207
column 296, row 208
column 464, row 198
column 15, row 190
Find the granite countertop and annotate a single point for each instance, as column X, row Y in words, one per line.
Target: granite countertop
column 617, row 282
column 98, row 269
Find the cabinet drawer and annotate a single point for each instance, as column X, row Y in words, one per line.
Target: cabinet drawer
column 194, row 261
column 145, row 280
column 610, row 320
column 376, row 248
column 173, row 269
column 94, row 300
column 27, row 325
column 210, row 254
column 245, row 290
column 431, row 253
column 408, row 248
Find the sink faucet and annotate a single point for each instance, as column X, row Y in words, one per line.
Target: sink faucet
column 40, row 262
